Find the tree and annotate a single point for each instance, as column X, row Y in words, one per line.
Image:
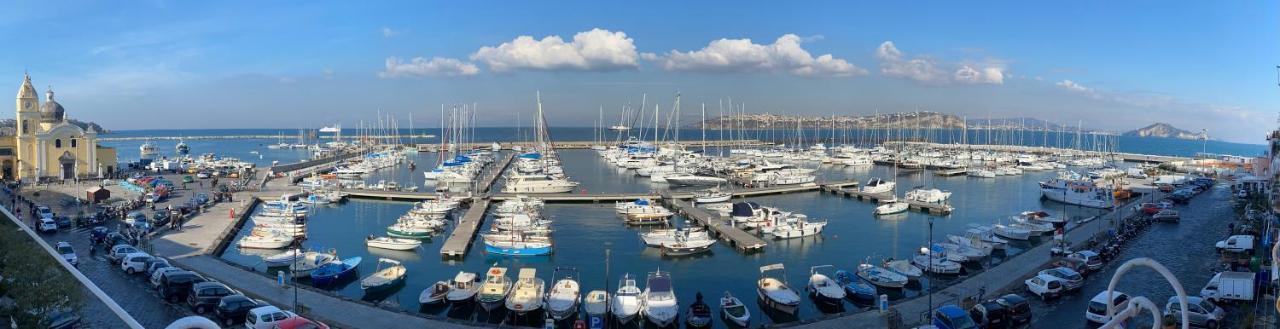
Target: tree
column 35, row 281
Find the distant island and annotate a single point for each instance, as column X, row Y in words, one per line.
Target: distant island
column 1164, row 130
column 8, row 127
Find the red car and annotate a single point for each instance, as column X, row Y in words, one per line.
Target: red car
column 299, row 322
column 1150, row 208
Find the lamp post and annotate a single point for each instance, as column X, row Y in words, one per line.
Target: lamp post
column 928, row 280
column 607, row 305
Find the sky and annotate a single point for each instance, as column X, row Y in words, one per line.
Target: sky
column 278, row 64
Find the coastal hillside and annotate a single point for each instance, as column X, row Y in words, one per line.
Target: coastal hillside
column 1164, row 130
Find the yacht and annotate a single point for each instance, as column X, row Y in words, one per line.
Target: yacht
column 1081, row 192
column 694, row 180
column 928, row 195
column 538, row 184
column 877, row 186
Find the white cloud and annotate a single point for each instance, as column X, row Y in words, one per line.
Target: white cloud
column 1072, row 86
column 423, row 67
column 388, row 32
column 327, row 73
column 742, row 55
column 594, row 50
column 893, row 63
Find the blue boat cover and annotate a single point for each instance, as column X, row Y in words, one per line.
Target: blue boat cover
column 531, row 155
column 642, row 202
column 744, row 209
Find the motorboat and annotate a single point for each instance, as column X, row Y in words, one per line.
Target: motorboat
column 389, row 274
column 748, row 213
column 774, row 291
column 791, row 225
column 928, row 195
column 626, row 302
column 494, row 290
column 389, row 243
column 694, row 180
column 537, row 184
column 413, row 228
column 935, row 262
column 304, row 265
column 856, row 287
column 980, row 173
column 1081, row 191
column 876, row 185
column 822, row 287
column 1035, row 227
column 1010, row 232
column 699, row 315
column 972, row 241
column 733, row 311
column 881, row 277
column 435, row 294
column 712, row 196
column 527, row 294
column 655, row 238
column 687, row 244
column 462, row 288
column 596, row 304
column 892, row 208
column 904, row 267
column 334, row 271
column 966, row 252
column 562, row 300
column 516, row 243
column 986, row 234
column 283, row 258
column 660, row 306
column 269, row 241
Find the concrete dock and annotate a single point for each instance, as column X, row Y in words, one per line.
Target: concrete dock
column 720, row 227
column 459, row 241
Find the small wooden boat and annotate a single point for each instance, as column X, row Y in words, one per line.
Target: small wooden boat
column 463, row 288
column 389, row 274
column 334, row 271
column 282, row 259
column 733, row 311
column 390, row 243
column 855, row 287
column 626, row 302
column 435, row 294
column 775, row 292
column 699, row 315
column 494, row 290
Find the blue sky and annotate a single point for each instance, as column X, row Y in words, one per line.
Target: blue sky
column 1112, row 65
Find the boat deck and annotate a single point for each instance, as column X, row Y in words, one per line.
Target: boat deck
column 720, row 227
column 464, row 231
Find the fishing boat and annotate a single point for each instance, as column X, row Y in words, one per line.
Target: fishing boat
column 733, row 311
column 699, row 314
column 435, row 294
column 986, row 234
column 892, row 208
column 856, row 288
column 973, row 241
column 1010, row 232
column 596, row 304
column 881, row 277
column 303, row 266
column 791, row 226
column 774, row 291
column 389, row 243
column 526, row 295
column 494, row 290
column 1081, row 191
column 334, row 271
column 462, row 288
column 275, row 240
column 626, row 302
column 182, row 148
column 822, row 287
column 283, row 258
column 562, row 300
column 712, row 196
column 655, row 238
column 659, row 302
column 516, row 243
column 687, row 244
column 934, row 262
column 147, row 150
column 903, row 267
column 389, row 274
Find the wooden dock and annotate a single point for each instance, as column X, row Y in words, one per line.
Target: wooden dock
column 464, row 231
column 925, row 207
column 719, row 227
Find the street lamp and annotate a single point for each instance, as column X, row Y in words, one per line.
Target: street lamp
column 928, row 280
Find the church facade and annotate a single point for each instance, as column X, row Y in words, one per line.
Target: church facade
column 45, row 146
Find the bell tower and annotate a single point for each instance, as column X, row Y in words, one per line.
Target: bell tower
column 28, row 106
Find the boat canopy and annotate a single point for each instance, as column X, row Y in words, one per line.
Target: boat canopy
column 642, row 202
column 744, row 209
column 465, row 277
column 531, row 156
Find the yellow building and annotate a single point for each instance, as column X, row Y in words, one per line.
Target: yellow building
column 44, row 145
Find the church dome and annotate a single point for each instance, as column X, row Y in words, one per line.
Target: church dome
column 51, row 111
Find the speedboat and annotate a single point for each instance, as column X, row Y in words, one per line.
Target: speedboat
column 855, row 287
column 526, row 295
column 877, row 186
column 626, row 301
column 463, row 288
column 935, row 262
column 596, row 304
column 302, row 266
column 733, row 311
column 282, row 259
column 822, row 287
column 881, row 276
column 495, row 288
column 435, row 294
column 655, row 238
column 390, row 273
column 699, row 315
column 793, row 226
column 562, row 300
column 334, row 271
column 892, row 208
column 266, row 241
column 1011, row 232
column 659, row 302
column 388, row 243
column 775, row 292
column 694, row 180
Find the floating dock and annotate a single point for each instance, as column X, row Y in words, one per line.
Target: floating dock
column 487, row 184
column 722, row 228
column 464, row 231
column 925, row 207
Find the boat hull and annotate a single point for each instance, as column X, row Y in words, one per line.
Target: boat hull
column 535, row 251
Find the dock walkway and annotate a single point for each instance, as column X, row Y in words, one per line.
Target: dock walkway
column 925, row 207
column 722, row 228
column 464, row 231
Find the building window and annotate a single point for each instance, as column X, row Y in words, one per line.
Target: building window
column 57, row 143
column 25, row 127
column 73, row 143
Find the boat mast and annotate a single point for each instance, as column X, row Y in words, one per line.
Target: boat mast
column 703, row 123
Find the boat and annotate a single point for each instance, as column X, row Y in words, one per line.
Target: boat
column 304, row 265
column 712, row 196
column 334, row 271
column 283, row 258
column 562, row 300
column 388, row 243
column 733, row 311
column 876, row 185
column 537, row 184
column 516, row 243
column 972, row 241
column 494, row 290
column 435, row 294
column 881, row 277
column 699, row 315
column 928, row 195
column 660, row 306
column 687, row 243
column 412, row 228
column 331, row 129
column 526, row 295
column 655, row 238
column 1079, row 191
column 980, row 173
column 462, row 288
column 1010, row 232
column 790, row 226
column 903, row 267
column 147, row 150
column 274, row 240
column 694, row 180
column 986, row 234
column 596, row 304
column 966, row 253
column 626, row 302
column 892, row 208
column 933, row 261
column 619, row 128
column 855, row 287
column 822, row 287
column 182, row 148
column 775, row 292
column 389, row 274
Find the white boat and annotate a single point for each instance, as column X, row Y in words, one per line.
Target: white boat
column 986, row 234
column 822, row 287
column 877, row 186
column 596, row 304
column 657, row 237
column 537, row 184
column 526, row 296
column 463, row 288
column 694, row 180
column 389, row 243
column 880, row 276
column 687, row 244
column 712, row 196
column 972, row 241
column 892, row 208
column 626, row 302
column 795, row 226
column 434, row 294
column 903, row 267
column 562, row 300
column 732, row 310
column 283, row 258
column 389, row 274
column 968, row 253
column 309, row 262
column 1009, row 232
column 775, row 292
column 269, row 241
column 928, row 195
column 1082, row 192
column 934, row 262
column 659, row 304
column 494, row 290
column 980, row 173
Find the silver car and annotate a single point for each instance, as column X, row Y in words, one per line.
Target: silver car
column 1200, row 312
column 68, row 253
column 1071, row 280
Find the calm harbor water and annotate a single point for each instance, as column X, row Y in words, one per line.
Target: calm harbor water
column 584, row 231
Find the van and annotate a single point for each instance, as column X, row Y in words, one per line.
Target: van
column 135, row 262
column 1097, row 311
column 1229, row 286
column 1236, row 243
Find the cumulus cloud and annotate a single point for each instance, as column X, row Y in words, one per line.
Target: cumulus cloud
column 388, row 32
column 743, row 55
column 1072, row 86
column 924, row 69
column 424, row 67
column 594, row 50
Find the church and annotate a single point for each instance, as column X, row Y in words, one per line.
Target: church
column 44, row 146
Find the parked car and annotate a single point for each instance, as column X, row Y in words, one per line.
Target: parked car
column 119, row 251
column 134, row 262
column 47, row 226
column 1167, row 215
column 990, row 315
column 1019, row 309
column 1097, row 311
column 1044, row 286
column 44, row 212
column 1200, row 312
column 175, row 286
column 266, row 317
column 68, row 253
column 62, row 221
column 156, row 264
column 113, row 239
column 157, row 277
column 1071, row 280
column 233, row 308
column 952, row 317
column 1092, row 260
column 1149, row 208
column 301, row 323
column 1236, row 243
column 205, row 296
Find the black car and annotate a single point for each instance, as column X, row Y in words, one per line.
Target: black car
column 115, row 238
column 232, row 309
column 62, row 221
column 206, row 295
column 176, row 286
column 990, row 315
column 1018, row 308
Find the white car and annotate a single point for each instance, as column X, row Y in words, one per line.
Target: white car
column 135, row 262
column 1097, row 311
column 119, row 251
column 44, row 212
column 68, row 254
column 47, row 225
column 1044, row 285
column 159, row 274
column 1200, row 312
column 266, row 317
